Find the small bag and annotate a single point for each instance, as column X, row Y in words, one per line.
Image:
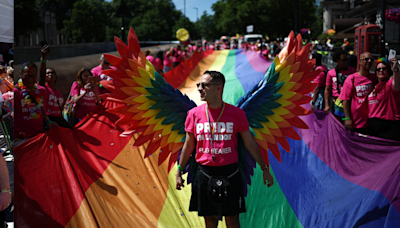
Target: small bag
column 69, row 110
column 219, row 189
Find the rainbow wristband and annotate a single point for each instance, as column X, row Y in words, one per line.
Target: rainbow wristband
column 43, row 60
column 180, row 168
column 48, row 122
column 264, row 167
column 347, row 118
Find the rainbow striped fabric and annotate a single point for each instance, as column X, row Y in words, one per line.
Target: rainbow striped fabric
column 92, row 177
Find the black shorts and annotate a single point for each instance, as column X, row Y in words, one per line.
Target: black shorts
column 199, row 201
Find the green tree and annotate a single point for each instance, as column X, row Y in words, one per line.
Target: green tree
column 87, row 22
column 206, row 27
column 27, row 17
column 271, row 17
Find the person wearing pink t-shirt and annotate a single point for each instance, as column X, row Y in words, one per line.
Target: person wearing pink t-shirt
column 214, row 126
column 98, row 72
column 149, row 56
column 354, row 94
column 29, row 105
column 85, row 94
column 169, row 60
column 55, row 101
column 384, row 101
column 158, row 62
column 333, row 86
column 318, row 97
column 177, row 56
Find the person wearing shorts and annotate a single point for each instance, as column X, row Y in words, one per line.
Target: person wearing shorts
column 212, row 130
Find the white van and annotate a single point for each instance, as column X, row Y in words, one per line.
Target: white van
column 252, row 38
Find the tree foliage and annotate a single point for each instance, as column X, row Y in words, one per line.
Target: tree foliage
column 27, row 17
column 269, row 17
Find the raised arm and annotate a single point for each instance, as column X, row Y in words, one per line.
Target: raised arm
column 396, row 73
column 44, row 51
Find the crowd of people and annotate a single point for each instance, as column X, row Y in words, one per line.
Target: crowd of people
column 365, row 102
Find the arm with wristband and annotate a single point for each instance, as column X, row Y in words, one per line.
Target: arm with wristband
column 187, row 149
column 252, row 146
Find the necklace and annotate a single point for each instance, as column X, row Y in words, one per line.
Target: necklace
column 33, row 100
column 212, row 129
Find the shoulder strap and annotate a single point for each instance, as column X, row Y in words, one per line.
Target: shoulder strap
column 337, row 79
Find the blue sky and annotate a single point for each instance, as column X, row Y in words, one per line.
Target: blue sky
column 202, row 5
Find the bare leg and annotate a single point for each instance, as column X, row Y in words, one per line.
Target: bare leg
column 211, row 221
column 232, row 221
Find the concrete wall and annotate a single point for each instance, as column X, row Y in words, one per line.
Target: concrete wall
column 67, row 68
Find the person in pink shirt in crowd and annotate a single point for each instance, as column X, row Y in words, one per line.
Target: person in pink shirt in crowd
column 211, row 46
column 217, row 157
column 149, row 57
column 158, row 62
column 55, row 100
column 29, row 105
column 85, row 94
column 333, row 86
column 169, row 60
column 177, row 56
column 355, row 92
column 318, row 97
column 97, row 72
column 384, row 101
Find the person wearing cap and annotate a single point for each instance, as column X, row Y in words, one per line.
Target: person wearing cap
column 384, row 100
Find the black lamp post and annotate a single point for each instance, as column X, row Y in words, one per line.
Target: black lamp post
column 122, row 12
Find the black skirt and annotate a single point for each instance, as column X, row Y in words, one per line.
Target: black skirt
column 385, row 128
column 202, row 204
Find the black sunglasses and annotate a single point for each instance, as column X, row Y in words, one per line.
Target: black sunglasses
column 367, row 59
column 383, row 68
column 204, row 85
column 344, row 60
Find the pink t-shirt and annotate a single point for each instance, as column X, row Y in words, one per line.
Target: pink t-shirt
column 25, row 125
column 177, row 57
column 150, row 58
column 96, row 71
column 158, row 64
column 356, row 89
column 385, row 105
column 54, row 99
column 320, row 79
column 331, row 79
column 168, row 60
column 233, row 121
column 87, row 102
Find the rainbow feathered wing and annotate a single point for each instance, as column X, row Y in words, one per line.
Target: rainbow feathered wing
column 156, row 111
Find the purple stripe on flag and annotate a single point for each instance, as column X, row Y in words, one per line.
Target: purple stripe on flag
column 256, row 61
column 370, row 162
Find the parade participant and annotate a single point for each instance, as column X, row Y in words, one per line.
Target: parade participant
column 217, row 117
column 97, row 72
column 6, row 83
column 318, row 98
column 55, row 100
column 177, row 56
column 29, row 110
column 334, row 82
column 84, row 93
column 158, row 62
column 384, row 101
column 149, row 57
column 169, row 60
column 354, row 93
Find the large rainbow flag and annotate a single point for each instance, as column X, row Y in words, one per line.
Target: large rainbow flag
column 92, row 177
